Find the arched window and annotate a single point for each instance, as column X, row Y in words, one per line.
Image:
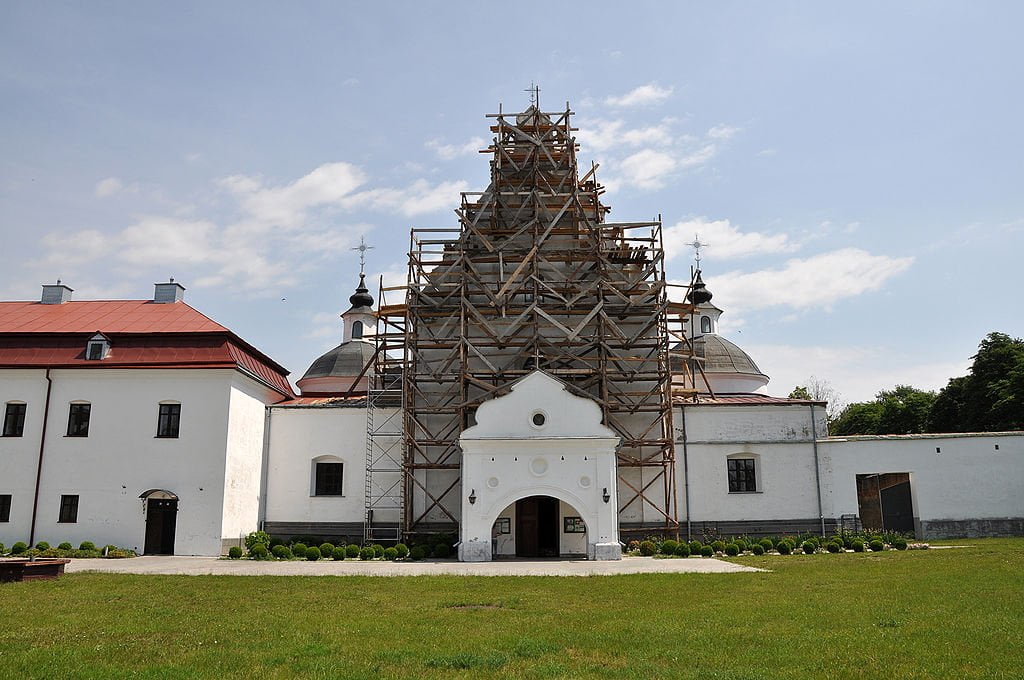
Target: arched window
column 705, row 324
column 328, row 478
column 357, row 329
column 744, row 473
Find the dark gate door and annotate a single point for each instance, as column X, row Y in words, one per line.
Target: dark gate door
column 161, row 518
column 537, row 527
column 898, row 508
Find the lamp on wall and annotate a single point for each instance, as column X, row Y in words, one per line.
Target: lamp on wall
column 605, row 495
column 472, row 497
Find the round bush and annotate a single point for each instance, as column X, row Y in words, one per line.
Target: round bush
column 18, row 548
column 857, row 545
column 312, row 553
column 390, row 554
column 442, row 550
column 682, row 550
column 326, row 549
column 668, row 547
column 299, row 550
column 706, row 551
column 42, row 545
column 719, row 546
column 260, row 537
column 378, row 550
column 695, row 547
column 366, row 553
column 417, row 553
column 259, row 551
column 281, row 551
column 732, row 550
column 403, row 550
column 809, row 547
column 352, row 550
column 64, row 546
column 876, row 545
column 338, row 554
column 87, row 545
column 899, row 543
column 647, row 548
column 757, row 549
column 767, row 544
column 833, row 547
column 815, row 540
column 741, row 544
column 234, row 552
column 784, row 548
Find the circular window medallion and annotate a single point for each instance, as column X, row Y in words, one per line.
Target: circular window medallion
column 585, row 482
column 492, row 483
column 539, row 419
column 539, row 466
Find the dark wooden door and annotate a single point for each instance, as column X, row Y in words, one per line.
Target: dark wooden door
column 161, row 520
column 537, row 527
column 898, row 508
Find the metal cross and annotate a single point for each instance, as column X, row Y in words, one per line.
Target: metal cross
column 534, row 91
column 697, row 245
column 362, row 248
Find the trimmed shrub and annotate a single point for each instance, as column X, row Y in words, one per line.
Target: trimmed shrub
column 235, row 553
column 815, row 540
column 417, row 553
column 784, row 547
column 352, row 550
column 876, row 545
column 767, row 544
column 757, row 549
column 899, row 543
column 259, row 551
column 682, row 550
column 312, row 553
column 63, row 546
column 647, row 548
column 809, row 547
column 3, row 549
column 257, row 537
column 281, row 551
column 87, row 545
column 42, row 545
column 706, row 551
column 833, row 547
column 390, row 554
column 741, row 544
column 719, row 546
column 338, row 553
column 378, row 550
column 326, row 549
column 366, row 553
column 299, row 550
column 732, row 550
column 857, row 545
column 695, row 547
column 403, row 550
column 668, row 547
column 442, row 550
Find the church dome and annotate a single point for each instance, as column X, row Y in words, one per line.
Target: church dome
column 727, row 368
column 345, row 360
column 699, row 294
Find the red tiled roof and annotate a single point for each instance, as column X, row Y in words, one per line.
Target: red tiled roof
column 109, row 316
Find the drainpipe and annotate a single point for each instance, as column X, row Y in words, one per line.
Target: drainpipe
column 39, row 466
column 265, row 473
column 686, row 473
column 817, row 470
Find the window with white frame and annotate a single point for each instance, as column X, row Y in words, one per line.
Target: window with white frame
column 97, row 348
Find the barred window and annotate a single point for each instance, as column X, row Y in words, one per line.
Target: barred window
column 742, row 477
column 328, row 479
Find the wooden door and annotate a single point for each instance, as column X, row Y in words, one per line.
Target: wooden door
column 161, row 521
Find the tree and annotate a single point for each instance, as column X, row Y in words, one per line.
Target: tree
column 901, row 410
column 817, row 389
column 990, row 397
column 857, row 418
column 800, row 393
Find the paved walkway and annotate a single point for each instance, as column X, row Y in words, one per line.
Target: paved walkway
column 212, row 565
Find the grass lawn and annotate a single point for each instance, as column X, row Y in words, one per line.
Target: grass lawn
column 955, row 613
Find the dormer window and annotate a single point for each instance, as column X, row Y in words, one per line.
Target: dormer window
column 97, row 348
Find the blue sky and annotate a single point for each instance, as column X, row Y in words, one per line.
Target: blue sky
column 857, row 171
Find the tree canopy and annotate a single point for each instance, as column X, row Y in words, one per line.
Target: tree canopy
column 901, row 410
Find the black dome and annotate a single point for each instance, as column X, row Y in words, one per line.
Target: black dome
column 362, row 297
column 699, row 294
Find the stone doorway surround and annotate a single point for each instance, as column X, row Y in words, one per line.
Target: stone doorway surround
column 539, row 439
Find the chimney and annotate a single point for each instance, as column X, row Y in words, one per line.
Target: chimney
column 55, row 293
column 168, row 292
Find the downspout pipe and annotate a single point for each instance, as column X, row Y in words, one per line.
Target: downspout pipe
column 686, row 473
column 39, row 465
column 817, row 469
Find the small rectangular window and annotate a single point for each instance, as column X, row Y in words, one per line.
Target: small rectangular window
column 741, row 475
column 78, row 420
column 14, row 420
column 5, row 507
column 328, row 479
column 68, row 509
column 167, row 422
column 95, row 351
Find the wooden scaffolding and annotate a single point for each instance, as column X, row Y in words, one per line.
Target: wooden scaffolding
column 535, row 278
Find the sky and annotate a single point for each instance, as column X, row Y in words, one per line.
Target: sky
column 856, row 171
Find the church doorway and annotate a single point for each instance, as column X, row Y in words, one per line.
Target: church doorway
column 537, row 532
column 885, row 501
column 161, row 521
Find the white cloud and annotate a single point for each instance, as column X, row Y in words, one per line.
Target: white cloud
column 108, row 187
column 645, row 95
column 724, row 240
column 419, row 198
column 647, row 169
column 449, row 151
column 600, row 135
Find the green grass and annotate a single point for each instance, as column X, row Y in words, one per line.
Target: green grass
column 931, row 614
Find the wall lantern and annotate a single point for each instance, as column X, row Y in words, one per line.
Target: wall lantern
column 605, row 495
column 472, row 497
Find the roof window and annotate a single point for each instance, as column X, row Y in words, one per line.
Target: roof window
column 97, row 348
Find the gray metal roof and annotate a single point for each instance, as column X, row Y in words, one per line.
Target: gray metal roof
column 720, row 356
column 345, row 360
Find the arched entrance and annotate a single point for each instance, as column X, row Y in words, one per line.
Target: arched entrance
column 539, row 526
column 161, row 520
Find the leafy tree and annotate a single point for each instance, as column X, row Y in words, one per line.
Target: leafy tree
column 901, row 410
column 800, row 393
column 991, row 396
column 858, row 418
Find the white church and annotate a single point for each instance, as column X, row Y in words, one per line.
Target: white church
column 536, row 389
